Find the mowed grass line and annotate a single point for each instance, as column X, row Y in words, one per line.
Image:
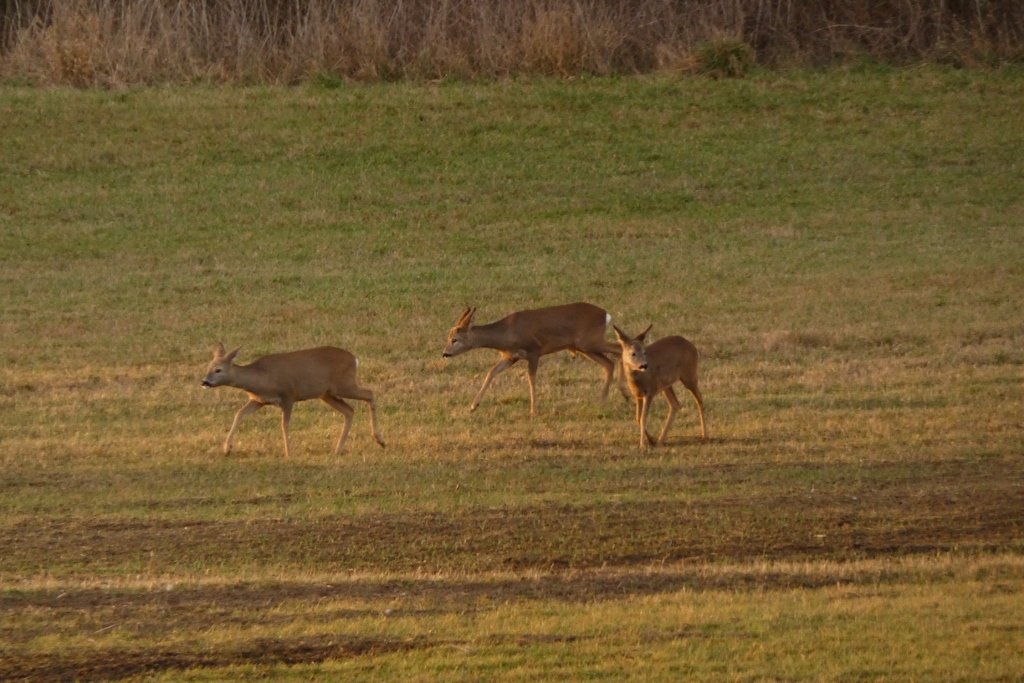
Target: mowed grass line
column 878, row 619
column 843, row 247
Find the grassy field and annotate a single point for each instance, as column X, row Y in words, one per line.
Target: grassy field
column 846, row 249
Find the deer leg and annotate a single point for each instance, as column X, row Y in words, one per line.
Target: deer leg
column 673, row 408
column 346, row 412
column 286, row 417
column 363, row 394
column 501, row 366
column 615, row 352
column 623, row 384
column 692, row 386
column 648, row 401
column 249, row 407
column 531, row 376
column 646, row 440
column 608, row 367
column 639, row 419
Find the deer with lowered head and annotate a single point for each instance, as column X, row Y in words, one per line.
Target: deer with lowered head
column 528, row 335
column 284, row 379
column 654, row 369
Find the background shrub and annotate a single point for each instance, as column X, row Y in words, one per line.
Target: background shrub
column 114, row 42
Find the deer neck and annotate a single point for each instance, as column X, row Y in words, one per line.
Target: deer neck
column 249, row 378
column 491, row 336
column 640, row 381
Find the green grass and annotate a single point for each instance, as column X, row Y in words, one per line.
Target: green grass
column 845, row 248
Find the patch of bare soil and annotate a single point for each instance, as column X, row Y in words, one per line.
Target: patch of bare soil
column 113, row 664
column 792, row 526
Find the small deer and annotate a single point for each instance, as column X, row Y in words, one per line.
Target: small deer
column 283, row 379
column 655, row 368
column 528, row 335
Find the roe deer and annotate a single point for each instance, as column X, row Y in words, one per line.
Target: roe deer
column 528, row 335
column 282, row 379
column 655, row 369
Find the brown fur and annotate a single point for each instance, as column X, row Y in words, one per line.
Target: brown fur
column 528, row 335
column 283, row 379
column 654, row 369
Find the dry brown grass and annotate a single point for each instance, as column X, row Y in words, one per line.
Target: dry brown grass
column 120, row 42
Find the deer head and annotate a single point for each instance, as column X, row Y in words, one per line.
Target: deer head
column 457, row 336
column 219, row 371
column 633, row 355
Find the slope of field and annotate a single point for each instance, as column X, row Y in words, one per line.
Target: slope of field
column 845, row 248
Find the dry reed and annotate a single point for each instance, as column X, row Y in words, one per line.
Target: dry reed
column 122, row 42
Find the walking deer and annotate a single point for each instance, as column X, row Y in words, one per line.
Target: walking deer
column 528, row 335
column 283, row 379
column 654, row 369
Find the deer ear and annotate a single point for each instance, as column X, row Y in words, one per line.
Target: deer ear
column 231, row 356
column 640, row 337
column 620, row 335
column 469, row 320
column 465, row 316
column 218, row 350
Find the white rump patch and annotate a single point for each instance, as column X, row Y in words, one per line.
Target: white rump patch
column 607, row 319
column 357, row 362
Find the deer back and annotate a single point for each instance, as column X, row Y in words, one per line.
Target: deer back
column 578, row 325
column 302, row 375
column 671, row 359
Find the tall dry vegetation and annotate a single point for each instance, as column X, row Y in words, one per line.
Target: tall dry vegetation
column 115, row 42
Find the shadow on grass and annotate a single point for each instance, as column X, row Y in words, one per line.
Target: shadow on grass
column 116, row 663
column 203, row 608
column 893, row 513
